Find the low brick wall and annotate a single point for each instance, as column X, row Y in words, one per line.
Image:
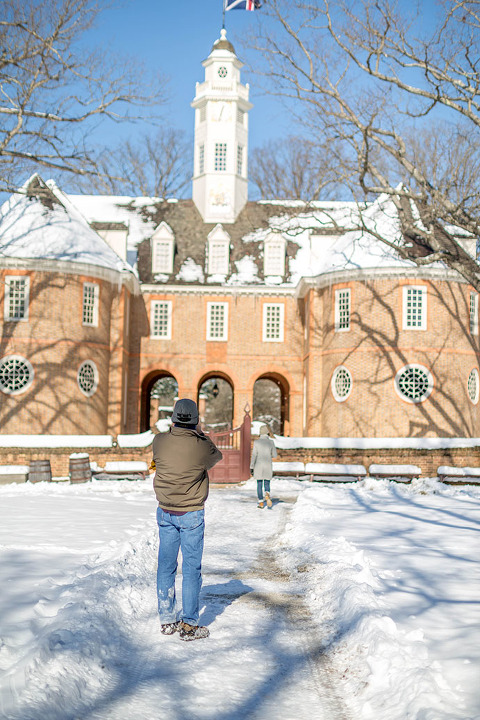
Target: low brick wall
column 59, row 457
column 428, row 459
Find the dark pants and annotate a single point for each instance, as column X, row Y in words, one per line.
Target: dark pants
column 260, row 484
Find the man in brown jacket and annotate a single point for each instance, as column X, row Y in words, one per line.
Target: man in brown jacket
column 182, row 459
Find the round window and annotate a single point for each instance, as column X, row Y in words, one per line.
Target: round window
column 341, row 383
column 16, row 374
column 222, row 71
column 473, row 386
column 414, row 383
column 87, row 377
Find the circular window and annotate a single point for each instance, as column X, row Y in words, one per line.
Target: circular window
column 473, row 386
column 87, row 377
column 222, row 71
column 16, row 374
column 341, row 383
column 414, row 383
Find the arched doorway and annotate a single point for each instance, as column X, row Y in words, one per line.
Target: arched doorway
column 270, row 402
column 215, row 403
column 159, row 392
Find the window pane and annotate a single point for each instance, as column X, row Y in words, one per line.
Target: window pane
column 220, row 157
column 342, row 309
column 273, row 322
column 274, row 258
column 414, row 308
column 160, row 319
column 90, row 304
column 162, row 260
column 17, row 303
column 218, row 257
column 217, row 326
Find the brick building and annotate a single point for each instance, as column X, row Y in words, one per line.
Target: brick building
column 102, row 297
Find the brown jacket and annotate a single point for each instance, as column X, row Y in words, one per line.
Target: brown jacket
column 182, row 458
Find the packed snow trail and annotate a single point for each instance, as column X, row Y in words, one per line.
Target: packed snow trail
column 103, row 657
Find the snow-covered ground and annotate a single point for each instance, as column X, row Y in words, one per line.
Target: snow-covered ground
column 356, row 601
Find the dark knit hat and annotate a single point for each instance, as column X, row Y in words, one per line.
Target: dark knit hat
column 185, row 412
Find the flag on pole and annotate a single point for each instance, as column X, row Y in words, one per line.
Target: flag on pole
column 242, row 4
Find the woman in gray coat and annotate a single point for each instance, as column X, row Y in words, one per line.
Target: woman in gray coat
column 261, row 465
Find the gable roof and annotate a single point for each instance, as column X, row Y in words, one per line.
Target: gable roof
column 40, row 222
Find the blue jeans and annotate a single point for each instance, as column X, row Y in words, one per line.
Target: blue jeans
column 175, row 532
column 260, row 484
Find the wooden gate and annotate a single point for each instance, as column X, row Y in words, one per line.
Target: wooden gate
column 235, row 445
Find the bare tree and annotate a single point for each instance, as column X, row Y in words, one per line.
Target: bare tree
column 293, row 169
column 53, row 91
column 397, row 100
column 155, row 165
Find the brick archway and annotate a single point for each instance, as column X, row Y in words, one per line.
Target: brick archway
column 205, row 401
column 145, row 403
column 278, row 381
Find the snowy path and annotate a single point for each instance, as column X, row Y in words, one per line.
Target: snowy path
column 104, row 658
column 339, row 603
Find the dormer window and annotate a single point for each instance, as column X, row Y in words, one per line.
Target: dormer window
column 274, row 256
column 163, row 246
column 218, row 251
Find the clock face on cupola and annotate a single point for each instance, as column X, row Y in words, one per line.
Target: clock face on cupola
column 221, row 136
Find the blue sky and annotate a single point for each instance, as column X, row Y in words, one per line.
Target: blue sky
column 174, row 38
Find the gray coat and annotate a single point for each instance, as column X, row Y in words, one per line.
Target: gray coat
column 261, row 463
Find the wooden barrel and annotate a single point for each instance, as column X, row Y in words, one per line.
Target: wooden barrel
column 40, row 471
column 79, row 468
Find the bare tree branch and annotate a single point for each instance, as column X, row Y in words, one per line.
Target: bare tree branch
column 52, row 89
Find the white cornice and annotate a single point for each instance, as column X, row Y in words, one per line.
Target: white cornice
column 62, row 266
column 218, row 290
column 341, row 276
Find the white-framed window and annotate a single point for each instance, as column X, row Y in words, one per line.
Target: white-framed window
column 220, row 157
column 473, row 386
column 91, row 293
column 414, row 307
column 163, row 249
column 218, row 251
column 274, row 257
column 161, row 319
column 16, row 374
column 162, row 256
column 342, row 309
column 273, row 322
column 413, row 383
column 239, row 159
column 201, row 159
column 240, row 116
column 87, row 378
column 217, row 321
column 342, row 383
column 17, row 293
column 474, row 313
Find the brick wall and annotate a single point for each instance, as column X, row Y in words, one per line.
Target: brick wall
column 427, row 460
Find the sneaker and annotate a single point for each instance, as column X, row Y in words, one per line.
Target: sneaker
column 193, row 632
column 169, row 628
column 261, row 504
column 269, row 500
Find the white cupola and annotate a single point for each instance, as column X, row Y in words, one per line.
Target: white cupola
column 221, row 136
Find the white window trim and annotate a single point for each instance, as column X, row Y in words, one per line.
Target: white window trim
column 282, row 322
column 474, row 400
column 166, row 269
column 96, row 291
column 6, row 307
column 91, row 392
column 278, row 242
column 224, row 338
column 474, row 319
column 337, row 309
column 29, row 366
column 430, row 383
column 423, row 289
column 225, row 244
column 341, row 398
column 168, row 303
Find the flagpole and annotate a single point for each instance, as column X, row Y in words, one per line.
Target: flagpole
column 223, row 17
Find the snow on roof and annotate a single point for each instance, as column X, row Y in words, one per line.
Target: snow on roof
column 365, row 443
column 51, row 441
column 119, row 209
column 40, row 222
